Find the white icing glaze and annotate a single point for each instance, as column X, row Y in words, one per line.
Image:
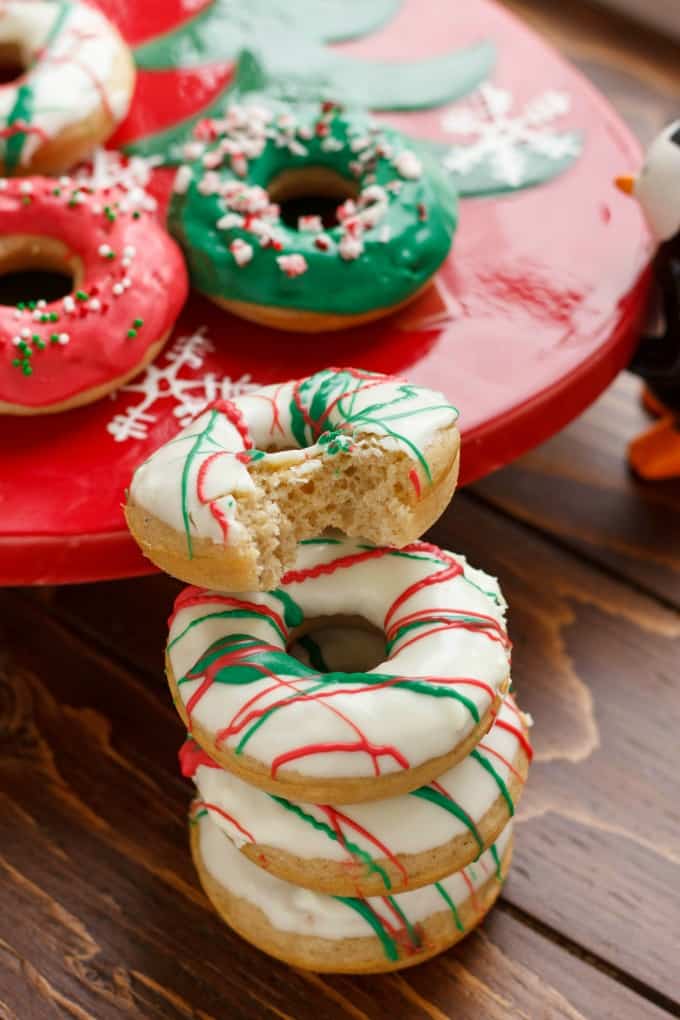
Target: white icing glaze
column 303, row 912
column 464, row 652
column 198, row 502
column 658, row 185
column 407, row 824
column 70, row 78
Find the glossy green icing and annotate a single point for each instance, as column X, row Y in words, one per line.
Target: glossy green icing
column 421, row 220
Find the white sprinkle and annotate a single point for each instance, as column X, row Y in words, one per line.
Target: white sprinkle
column 126, row 282
column 310, row 224
column 64, row 181
column 350, row 247
column 209, row 183
column 26, row 187
column 118, row 289
column 42, row 303
column 25, row 332
column 385, row 233
column 16, row 340
column 37, row 316
column 292, row 265
column 69, row 304
column 182, row 180
column 104, row 250
column 192, row 150
column 332, row 144
column 129, row 251
column 229, row 220
column 94, row 304
column 408, row 165
column 3, row 183
column 211, row 160
column 17, row 313
column 64, row 339
column 242, row 251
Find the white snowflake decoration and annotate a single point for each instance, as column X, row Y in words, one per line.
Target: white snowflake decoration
column 108, row 169
column 164, row 382
column 490, row 132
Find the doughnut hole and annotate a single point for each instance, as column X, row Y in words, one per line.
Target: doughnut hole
column 13, row 62
column 311, row 191
column 338, row 644
column 36, row 268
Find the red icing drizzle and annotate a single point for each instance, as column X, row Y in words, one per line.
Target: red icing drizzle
column 218, row 810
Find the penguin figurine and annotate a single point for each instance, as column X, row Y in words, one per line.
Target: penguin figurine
column 656, row 453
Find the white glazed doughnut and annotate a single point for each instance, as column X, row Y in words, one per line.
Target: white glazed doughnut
column 344, row 934
column 224, row 503
column 76, row 87
column 343, row 737
column 378, row 847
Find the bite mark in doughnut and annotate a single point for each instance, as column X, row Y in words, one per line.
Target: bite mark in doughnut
column 64, row 353
column 394, row 220
column 225, row 503
column 343, row 737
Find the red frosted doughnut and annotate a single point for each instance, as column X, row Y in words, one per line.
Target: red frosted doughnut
column 129, row 284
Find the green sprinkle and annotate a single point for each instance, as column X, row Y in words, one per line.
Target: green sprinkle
column 21, row 306
column 54, row 338
column 16, row 362
column 82, row 295
column 136, row 214
column 26, row 368
column 56, row 191
column 54, row 317
column 26, row 200
column 137, row 323
column 110, row 255
column 40, row 344
column 31, row 305
column 132, row 333
column 35, row 338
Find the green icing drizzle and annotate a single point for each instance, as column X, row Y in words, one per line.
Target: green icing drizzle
column 397, row 255
column 497, row 862
column 437, row 798
column 21, row 112
column 351, row 847
column 361, row 906
column 486, row 764
column 292, row 614
column 450, row 904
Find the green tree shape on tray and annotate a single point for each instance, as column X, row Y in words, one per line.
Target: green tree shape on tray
column 290, row 61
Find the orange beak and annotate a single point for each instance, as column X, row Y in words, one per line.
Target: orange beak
column 626, row 184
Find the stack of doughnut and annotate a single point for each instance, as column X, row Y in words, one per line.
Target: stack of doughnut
column 356, row 753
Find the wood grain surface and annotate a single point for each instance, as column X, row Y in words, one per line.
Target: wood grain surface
column 101, row 915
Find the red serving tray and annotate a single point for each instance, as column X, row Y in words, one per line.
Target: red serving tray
column 534, row 313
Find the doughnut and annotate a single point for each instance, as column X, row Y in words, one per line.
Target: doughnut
column 224, row 503
column 392, row 227
column 129, row 284
column 76, row 86
column 378, row 847
column 343, row 934
column 343, row 737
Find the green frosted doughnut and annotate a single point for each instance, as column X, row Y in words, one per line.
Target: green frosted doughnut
column 390, row 238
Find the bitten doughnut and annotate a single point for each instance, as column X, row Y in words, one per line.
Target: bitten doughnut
column 344, row 933
column 76, row 86
column 129, row 284
column 343, row 737
column 378, row 847
column 224, row 503
column 393, row 226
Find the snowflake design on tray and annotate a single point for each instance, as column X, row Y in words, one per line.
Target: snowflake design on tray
column 501, row 148
column 170, row 386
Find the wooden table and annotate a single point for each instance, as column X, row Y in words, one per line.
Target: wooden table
column 101, row 915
